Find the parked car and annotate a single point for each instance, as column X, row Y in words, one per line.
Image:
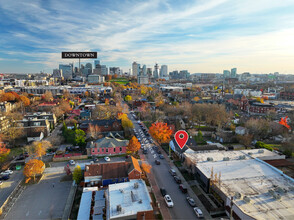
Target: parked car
column 7, row 172
column 50, row 154
column 159, row 152
column 163, row 191
column 177, row 179
column 72, row 162
column 1, row 183
column 161, row 156
column 198, row 212
column 95, row 160
column 168, row 201
column 145, row 151
column 5, row 177
column 157, row 162
column 172, row 172
column 107, row 159
column 191, row 201
column 183, row 188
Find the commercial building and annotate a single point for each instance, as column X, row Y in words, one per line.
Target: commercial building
column 163, row 71
column 227, row 74
column 250, row 187
column 95, row 79
column 129, row 200
column 135, row 69
column 66, row 70
column 234, row 72
column 156, row 71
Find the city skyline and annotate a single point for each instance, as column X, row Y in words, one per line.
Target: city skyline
column 198, row 36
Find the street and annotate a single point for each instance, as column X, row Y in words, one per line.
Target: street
column 9, row 185
column 181, row 209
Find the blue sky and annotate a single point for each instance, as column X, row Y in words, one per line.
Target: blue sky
column 200, row 36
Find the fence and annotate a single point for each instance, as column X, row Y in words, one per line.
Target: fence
column 58, row 159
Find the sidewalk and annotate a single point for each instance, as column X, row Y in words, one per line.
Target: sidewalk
column 163, row 208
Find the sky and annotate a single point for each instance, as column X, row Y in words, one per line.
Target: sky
column 255, row 36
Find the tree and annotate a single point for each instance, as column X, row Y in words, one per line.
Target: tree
column 200, row 136
column 146, row 167
column 77, row 174
column 94, row 131
column 4, row 152
column 39, row 148
column 48, row 97
column 108, row 77
column 134, row 145
column 259, row 128
column 245, row 139
column 25, row 100
column 33, row 167
column 196, row 98
column 128, row 98
column 160, row 132
column 79, row 137
column 126, row 122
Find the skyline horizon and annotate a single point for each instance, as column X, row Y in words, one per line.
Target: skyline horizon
column 198, row 36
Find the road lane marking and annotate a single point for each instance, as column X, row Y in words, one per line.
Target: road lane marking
column 40, row 212
column 27, row 214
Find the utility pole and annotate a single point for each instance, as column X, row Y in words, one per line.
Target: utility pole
column 231, row 211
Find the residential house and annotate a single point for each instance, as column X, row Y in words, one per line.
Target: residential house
column 103, row 174
column 43, row 115
column 104, row 126
column 240, row 130
column 35, row 136
column 7, row 106
column 107, row 146
column 4, row 124
column 34, row 125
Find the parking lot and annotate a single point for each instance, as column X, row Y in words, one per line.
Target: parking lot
column 45, row 200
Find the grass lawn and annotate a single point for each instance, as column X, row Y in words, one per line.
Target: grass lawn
column 122, row 81
column 178, row 163
column 148, row 124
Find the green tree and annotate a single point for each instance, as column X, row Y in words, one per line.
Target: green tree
column 200, row 136
column 79, row 137
column 77, row 174
column 128, row 98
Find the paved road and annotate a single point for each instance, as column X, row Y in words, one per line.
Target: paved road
column 181, row 209
column 42, row 200
column 8, row 185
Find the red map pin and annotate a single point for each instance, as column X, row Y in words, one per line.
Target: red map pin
column 181, row 138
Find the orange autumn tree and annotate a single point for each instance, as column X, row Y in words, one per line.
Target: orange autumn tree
column 134, row 145
column 3, row 152
column 160, row 132
column 25, row 100
column 33, row 167
column 146, row 167
column 284, row 122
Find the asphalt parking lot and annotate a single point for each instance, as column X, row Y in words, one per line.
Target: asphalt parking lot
column 42, row 200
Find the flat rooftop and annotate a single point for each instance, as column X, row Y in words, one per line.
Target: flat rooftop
column 129, row 197
column 216, row 155
column 269, row 193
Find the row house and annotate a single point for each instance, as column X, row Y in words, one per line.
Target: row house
column 287, row 95
column 104, row 127
column 34, row 125
column 253, row 107
column 107, row 146
column 43, row 115
column 103, row 174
